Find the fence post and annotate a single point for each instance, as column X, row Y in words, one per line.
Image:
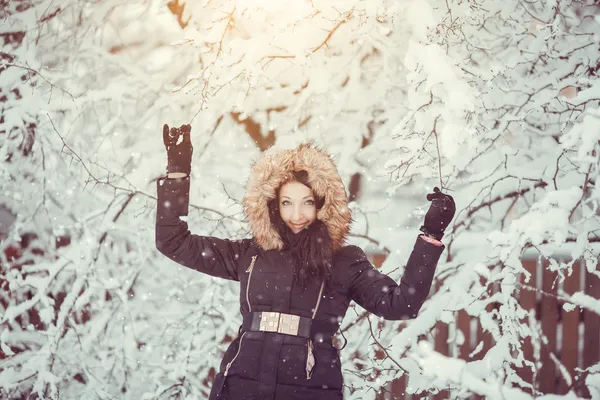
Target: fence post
column 527, row 299
column 570, row 325
column 591, row 323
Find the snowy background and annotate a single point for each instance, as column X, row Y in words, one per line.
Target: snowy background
column 496, row 102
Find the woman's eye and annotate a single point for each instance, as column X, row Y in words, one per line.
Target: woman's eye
column 285, row 203
column 310, row 202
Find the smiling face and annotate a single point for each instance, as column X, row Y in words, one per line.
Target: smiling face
column 297, row 206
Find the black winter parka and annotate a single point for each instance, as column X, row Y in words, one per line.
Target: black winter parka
column 271, row 366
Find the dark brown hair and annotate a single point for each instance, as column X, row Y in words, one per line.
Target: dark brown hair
column 311, row 247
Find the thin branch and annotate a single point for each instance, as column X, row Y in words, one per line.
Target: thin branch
column 387, row 354
column 583, row 190
column 335, row 28
column 517, row 193
column 439, row 156
column 133, row 190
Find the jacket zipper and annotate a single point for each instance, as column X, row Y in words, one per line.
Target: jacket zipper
column 250, row 268
column 310, row 357
column 236, row 355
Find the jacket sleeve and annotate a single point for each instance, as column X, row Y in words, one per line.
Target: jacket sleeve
column 210, row 255
column 381, row 295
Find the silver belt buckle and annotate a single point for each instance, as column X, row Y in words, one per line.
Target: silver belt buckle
column 279, row 322
column 289, row 324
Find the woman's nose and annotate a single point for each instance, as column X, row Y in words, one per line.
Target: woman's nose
column 297, row 214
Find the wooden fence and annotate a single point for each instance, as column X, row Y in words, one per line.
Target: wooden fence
column 565, row 340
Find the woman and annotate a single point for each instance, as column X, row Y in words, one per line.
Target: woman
column 296, row 275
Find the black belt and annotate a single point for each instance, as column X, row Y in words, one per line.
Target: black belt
column 269, row 321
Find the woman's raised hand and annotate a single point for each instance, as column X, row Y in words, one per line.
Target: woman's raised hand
column 179, row 155
column 440, row 213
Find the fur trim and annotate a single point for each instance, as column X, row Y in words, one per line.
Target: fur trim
column 272, row 169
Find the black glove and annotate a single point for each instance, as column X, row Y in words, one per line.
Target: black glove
column 179, row 156
column 440, row 213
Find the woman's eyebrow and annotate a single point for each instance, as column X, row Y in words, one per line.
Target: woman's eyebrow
column 305, row 197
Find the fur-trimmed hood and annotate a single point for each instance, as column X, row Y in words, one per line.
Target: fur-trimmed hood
column 273, row 168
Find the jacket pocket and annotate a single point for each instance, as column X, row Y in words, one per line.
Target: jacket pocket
column 328, row 369
column 291, row 368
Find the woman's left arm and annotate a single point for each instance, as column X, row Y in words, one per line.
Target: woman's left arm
column 380, row 294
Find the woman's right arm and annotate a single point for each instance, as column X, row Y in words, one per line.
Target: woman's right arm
column 212, row 256
column 380, row 294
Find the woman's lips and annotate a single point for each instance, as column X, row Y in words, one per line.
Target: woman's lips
column 300, row 226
